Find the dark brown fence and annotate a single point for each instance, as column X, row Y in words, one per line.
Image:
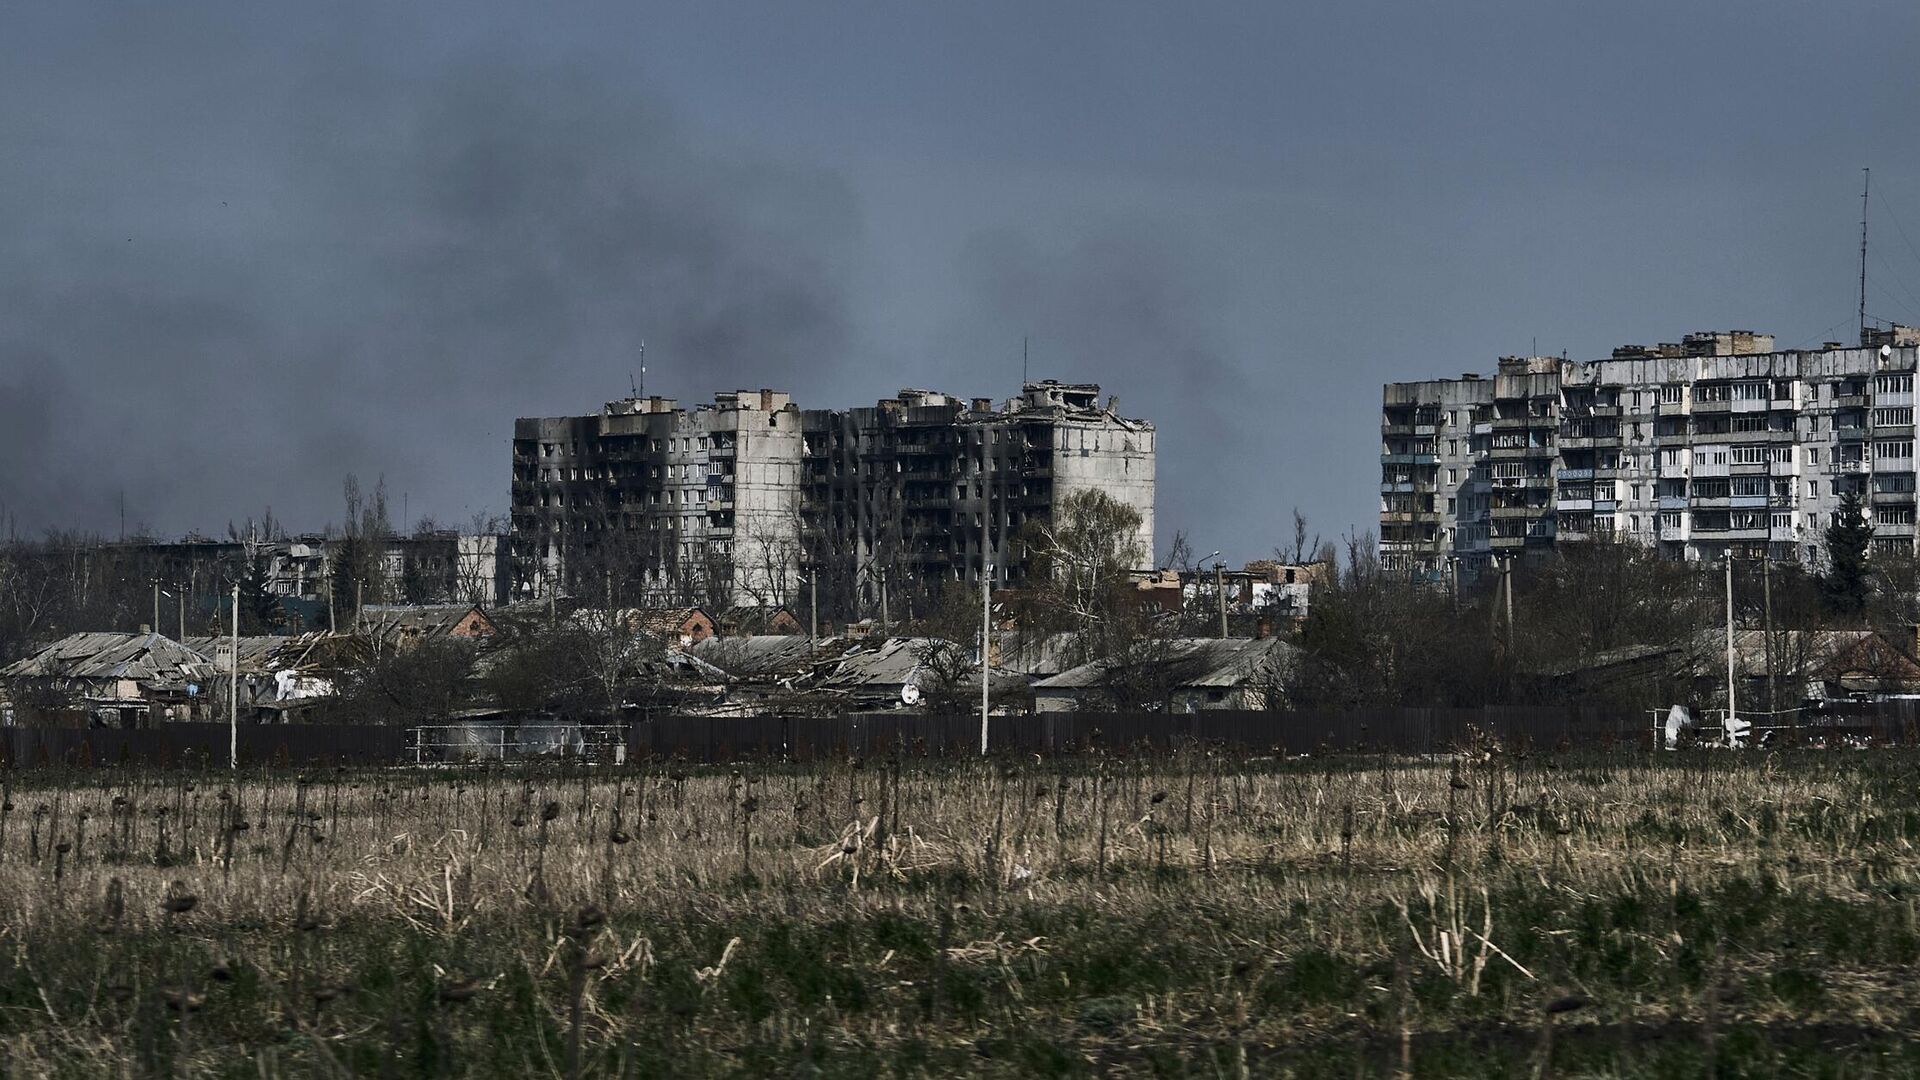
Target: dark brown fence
column 723, row 739
column 204, row 745
column 1392, row 730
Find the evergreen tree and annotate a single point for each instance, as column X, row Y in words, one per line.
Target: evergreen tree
column 1844, row 585
column 260, row 610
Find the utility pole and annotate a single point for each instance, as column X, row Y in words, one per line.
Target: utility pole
column 986, row 609
column 1766, row 592
column 813, row 607
column 155, row 625
column 233, row 689
column 1730, row 704
column 986, row 647
column 1220, row 593
column 1506, row 587
column 885, row 620
column 183, row 610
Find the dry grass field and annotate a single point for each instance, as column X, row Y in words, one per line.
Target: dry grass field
column 1202, row 915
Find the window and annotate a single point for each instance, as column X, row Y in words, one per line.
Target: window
column 1893, row 417
column 1813, row 455
column 1813, row 489
column 1450, row 505
column 1670, row 394
column 1712, row 392
column 1893, row 384
column 1750, row 486
column 1750, row 391
column 1669, row 521
column 1898, row 448
column 1893, row 515
column 1749, row 455
column 1453, row 476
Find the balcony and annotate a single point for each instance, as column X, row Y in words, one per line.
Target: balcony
column 1850, row 401
column 1576, row 474
column 1385, row 459
column 1573, row 505
column 1850, row 433
column 1672, row 502
column 1517, row 453
column 1851, row 468
column 1584, row 442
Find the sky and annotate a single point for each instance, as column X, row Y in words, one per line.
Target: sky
column 249, row 248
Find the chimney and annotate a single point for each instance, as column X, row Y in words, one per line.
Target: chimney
column 146, row 629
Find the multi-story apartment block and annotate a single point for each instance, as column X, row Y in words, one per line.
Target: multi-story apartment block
column 743, row 500
column 1720, row 442
column 706, row 498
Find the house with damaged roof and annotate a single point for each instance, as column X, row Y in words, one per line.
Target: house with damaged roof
column 1176, row 675
column 109, row 680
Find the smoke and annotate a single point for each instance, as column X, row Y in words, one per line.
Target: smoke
column 1137, row 306
column 348, row 269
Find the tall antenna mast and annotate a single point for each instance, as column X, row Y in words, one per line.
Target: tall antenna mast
column 641, row 390
column 1023, row 362
column 1866, row 177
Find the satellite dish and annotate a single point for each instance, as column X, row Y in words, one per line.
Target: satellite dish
column 909, row 694
column 1886, row 351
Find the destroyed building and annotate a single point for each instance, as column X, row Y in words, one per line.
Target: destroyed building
column 742, row 500
column 1719, row 442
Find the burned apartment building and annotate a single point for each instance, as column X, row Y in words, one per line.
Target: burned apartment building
column 1719, row 442
column 743, row 500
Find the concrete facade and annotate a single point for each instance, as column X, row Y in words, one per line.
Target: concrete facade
column 1719, row 442
column 741, row 501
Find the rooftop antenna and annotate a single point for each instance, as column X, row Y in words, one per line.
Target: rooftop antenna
column 1866, row 178
column 641, row 385
column 1023, row 361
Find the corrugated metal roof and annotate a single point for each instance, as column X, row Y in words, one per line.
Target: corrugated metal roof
column 762, row 656
column 146, row 658
column 1214, row 662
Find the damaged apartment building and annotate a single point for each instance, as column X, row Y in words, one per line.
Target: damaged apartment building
column 740, row 501
column 1720, row 442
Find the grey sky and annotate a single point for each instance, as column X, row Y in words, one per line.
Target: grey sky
column 249, row 248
